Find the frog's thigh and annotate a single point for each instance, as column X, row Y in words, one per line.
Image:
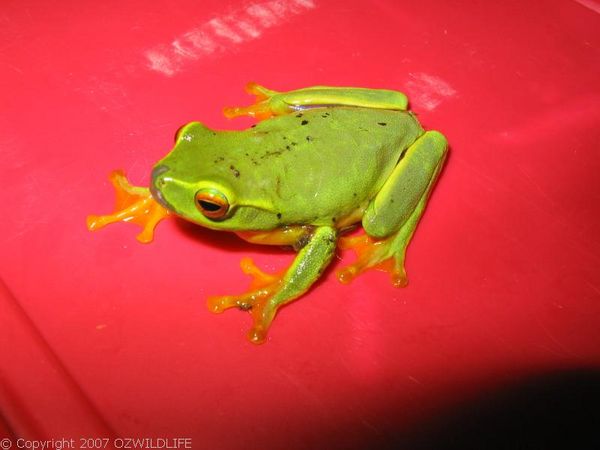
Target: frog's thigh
column 400, row 202
column 348, row 96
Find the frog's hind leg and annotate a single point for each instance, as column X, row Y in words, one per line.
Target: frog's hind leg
column 268, row 292
column 272, row 103
column 392, row 217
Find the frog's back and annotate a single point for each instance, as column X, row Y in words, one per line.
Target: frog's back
column 320, row 163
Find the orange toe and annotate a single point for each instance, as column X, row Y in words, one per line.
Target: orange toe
column 262, row 288
column 370, row 254
column 132, row 204
column 260, row 110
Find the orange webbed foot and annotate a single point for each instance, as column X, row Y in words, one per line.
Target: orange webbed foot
column 262, row 288
column 372, row 254
column 133, row 204
column 260, row 110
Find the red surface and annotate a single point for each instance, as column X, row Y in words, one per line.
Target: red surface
column 103, row 336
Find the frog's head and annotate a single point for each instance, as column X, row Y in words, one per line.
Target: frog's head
column 193, row 182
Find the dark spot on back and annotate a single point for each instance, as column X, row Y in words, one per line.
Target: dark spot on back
column 253, row 126
column 236, row 173
column 309, row 138
column 383, row 124
column 299, row 115
column 279, row 215
column 271, row 153
column 304, row 122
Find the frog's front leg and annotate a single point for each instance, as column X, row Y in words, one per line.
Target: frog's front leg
column 392, row 217
column 269, row 292
column 272, row 103
column 133, row 204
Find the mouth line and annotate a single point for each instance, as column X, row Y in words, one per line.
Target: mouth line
column 157, row 195
column 154, row 180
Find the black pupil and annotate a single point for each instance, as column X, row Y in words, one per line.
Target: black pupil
column 209, row 206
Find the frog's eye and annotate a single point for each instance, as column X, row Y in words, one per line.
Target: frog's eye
column 178, row 133
column 212, row 203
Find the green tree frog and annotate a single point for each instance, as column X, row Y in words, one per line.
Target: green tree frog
column 320, row 161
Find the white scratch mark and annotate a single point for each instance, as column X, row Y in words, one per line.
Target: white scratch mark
column 279, row 8
column 222, row 33
column 160, row 62
column 414, row 380
column 554, row 340
column 590, row 4
column 183, row 51
column 263, row 14
column 222, row 29
column 304, row 3
column 249, row 29
column 201, row 41
column 593, row 286
column 428, row 91
column 550, row 201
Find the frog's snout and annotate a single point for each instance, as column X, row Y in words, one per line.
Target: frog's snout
column 158, row 180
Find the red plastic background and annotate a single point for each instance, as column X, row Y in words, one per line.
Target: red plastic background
column 102, row 336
